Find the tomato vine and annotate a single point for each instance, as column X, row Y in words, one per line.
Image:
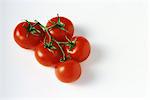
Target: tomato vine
column 59, row 25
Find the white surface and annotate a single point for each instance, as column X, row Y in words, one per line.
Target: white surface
column 116, row 67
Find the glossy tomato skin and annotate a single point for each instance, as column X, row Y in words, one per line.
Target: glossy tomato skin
column 59, row 34
column 25, row 39
column 81, row 50
column 47, row 57
column 68, row 71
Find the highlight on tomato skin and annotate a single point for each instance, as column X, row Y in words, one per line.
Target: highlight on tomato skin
column 28, row 37
column 68, row 71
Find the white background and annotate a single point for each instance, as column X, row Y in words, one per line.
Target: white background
column 116, row 68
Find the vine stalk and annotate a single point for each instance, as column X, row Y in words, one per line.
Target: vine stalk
column 53, row 39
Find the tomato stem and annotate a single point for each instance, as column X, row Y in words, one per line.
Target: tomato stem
column 63, row 53
column 71, row 43
column 68, row 39
column 31, row 28
column 57, row 24
column 62, row 42
column 53, row 39
column 35, row 24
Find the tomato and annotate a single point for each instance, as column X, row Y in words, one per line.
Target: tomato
column 62, row 27
column 79, row 49
column 48, row 56
column 28, row 36
column 68, row 71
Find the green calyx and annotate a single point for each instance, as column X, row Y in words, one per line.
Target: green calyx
column 58, row 24
column 49, row 46
column 66, row 58
column 62, row 59
column 31, row 29
column 71, row 44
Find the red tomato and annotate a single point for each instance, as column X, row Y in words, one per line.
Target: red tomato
column 62, row 29
column 80, row 49
column 46, row 56
column 68, row 71
column 28, row 36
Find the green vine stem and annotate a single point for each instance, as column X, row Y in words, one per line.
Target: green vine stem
column 58, row 43
column 63, row 53
column 31, row 29
column 63, row 43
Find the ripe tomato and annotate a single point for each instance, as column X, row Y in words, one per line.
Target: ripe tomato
column 68, row 71
column 28, row 36
column 48, row 56
column 62, row 27
column 80, row 49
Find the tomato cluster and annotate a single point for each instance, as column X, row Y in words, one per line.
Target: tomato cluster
column 54, row 45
